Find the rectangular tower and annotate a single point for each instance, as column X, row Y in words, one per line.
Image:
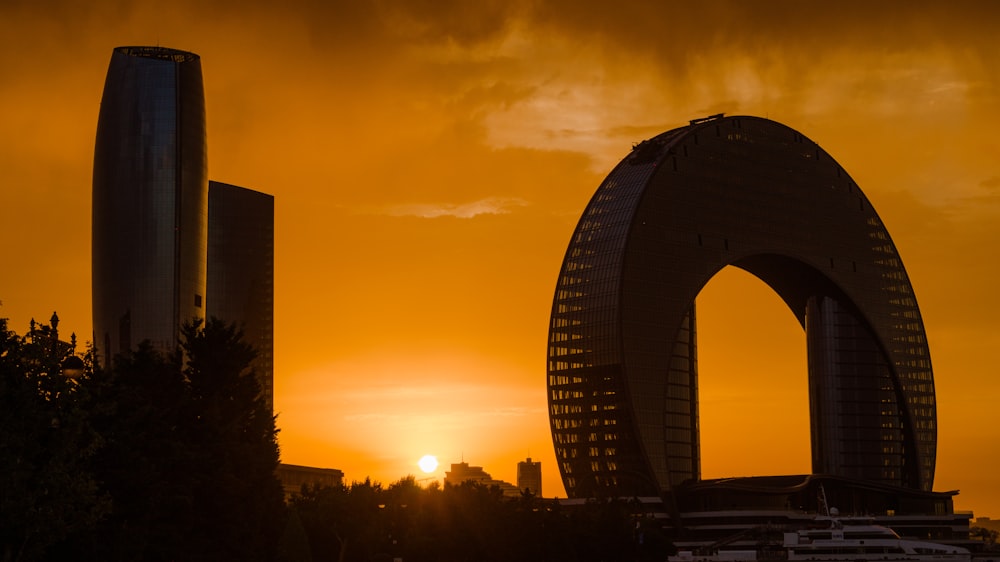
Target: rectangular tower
column 241, row 270
column 529, row 476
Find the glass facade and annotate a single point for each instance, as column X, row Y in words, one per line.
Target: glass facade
column 150, row 200
column 751, row 193
column 241, row 270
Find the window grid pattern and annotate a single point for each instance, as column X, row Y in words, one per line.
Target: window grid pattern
column 589, row 403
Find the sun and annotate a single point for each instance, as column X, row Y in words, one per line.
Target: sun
column 428, row 463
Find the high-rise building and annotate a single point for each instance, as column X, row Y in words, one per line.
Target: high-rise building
column 750, row 193
column 241, row 270
column 529, row 476
column 167, row 248
column 150, row 200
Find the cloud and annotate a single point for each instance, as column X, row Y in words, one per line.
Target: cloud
column 487, row 206
column 992, row 183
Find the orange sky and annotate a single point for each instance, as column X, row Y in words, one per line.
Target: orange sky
column 430, row 159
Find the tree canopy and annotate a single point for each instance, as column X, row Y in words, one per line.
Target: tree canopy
column 366, row 521
column 47, row 492
column 173, row 457
column 156, row 457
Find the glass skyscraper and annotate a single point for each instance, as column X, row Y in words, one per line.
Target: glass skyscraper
column 750, row 193
column 241, row 270
column 150, row 200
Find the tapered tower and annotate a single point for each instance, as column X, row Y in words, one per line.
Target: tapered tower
column 150, row 200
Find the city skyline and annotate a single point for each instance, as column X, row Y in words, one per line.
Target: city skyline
column 430, row 167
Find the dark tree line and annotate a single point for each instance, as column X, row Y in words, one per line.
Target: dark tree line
column 989, row 538
column 470, row 522
column 151, row 458
column 173, row 458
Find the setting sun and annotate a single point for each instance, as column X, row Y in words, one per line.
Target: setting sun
column 428, row 463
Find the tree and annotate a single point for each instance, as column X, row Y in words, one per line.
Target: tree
column 46, row 493
column 365, row 521
column 189, row 455
column 344, row 523
column 140, row 407
column 239, row 501
column 988, row 536
column 155, row 457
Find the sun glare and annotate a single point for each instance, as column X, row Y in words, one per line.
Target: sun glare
column 428, row 463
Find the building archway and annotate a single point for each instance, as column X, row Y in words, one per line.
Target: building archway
column 754, row 350
column 755, row 194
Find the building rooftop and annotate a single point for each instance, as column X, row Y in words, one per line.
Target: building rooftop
column 161, row 53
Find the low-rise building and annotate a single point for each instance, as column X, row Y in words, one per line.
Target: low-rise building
column 462, row 472
column 294, row 476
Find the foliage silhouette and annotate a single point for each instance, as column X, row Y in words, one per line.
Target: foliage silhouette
column 157, row 457
column 365, row 521
column 173, row 457
column 46, row 491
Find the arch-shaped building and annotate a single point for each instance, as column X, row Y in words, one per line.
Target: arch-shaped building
column 755, row 194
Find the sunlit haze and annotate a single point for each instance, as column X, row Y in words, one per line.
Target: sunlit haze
column 428, row 463
column 429, row 162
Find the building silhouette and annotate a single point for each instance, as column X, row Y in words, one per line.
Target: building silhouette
column 294, row 476
column 529, row 476
column 169, row 246
column 750, row 193
column 462, row 472
column 240, row 286
column 150, row 200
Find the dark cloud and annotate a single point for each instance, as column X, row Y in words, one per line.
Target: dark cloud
column 992, row 183
column 465, row 23
column 684, row 26
column 789, row 37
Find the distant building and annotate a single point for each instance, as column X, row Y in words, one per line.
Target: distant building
column 987, row 523
column 241, row 271
column 462, row 472
column 294, row 476
column 529, row 476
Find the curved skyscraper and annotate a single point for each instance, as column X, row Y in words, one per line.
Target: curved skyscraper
column 754, row 194
column 150, row 199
